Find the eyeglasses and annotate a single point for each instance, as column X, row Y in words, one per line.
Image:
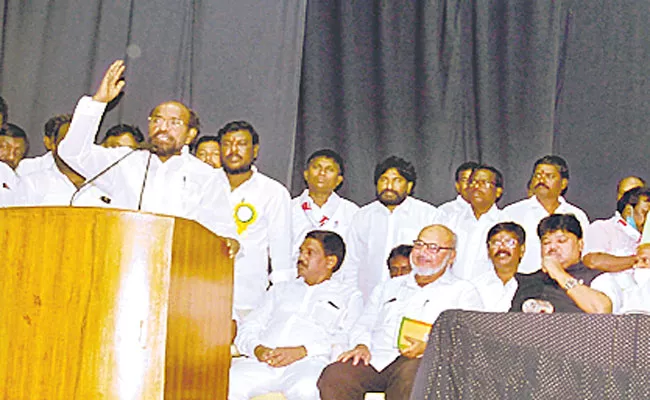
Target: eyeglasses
column 485, row 184
column 160, row 121
column 509, row 243
column 431, row 247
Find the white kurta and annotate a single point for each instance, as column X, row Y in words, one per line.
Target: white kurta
column 528, row 213
column 375, row 231
column 183, row 186
column 629, row 290
column 612, row 236
column 34, row 164
column 457, row 205
column 8, row 185
column 378, row 327
column 267, row 235
column 293, row 314
column 50, row 187
column 335, row 215
column 496, row 296
column 471, row 251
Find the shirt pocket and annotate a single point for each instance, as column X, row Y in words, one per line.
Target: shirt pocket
column 328, row 314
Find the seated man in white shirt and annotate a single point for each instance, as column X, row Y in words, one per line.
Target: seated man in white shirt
column 123, row 135
column 206, row 149
column 291, row 337
column 610, row 244
column 166, row 180
column 461, row 202
column 505, row 246
column 399, row 260
column 56, row 184
column 394, row 218
column 549, row 182
column 319, row 206
column 376, row 363
column 628, row 183
column 631, row 287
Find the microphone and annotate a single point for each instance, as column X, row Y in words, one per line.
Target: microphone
column 143, row 146
column 144, row 181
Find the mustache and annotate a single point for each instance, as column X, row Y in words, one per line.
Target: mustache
column 541, row 184
column 388, row 191
column 506, row 252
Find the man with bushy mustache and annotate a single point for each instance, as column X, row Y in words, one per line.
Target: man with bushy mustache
column 376, row 364
column 505, row 248
column 549, row 183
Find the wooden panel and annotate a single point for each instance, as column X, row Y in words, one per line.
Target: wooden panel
column 109, row 304
column 198, row 341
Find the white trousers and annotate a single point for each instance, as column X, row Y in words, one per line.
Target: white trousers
column 250, row 377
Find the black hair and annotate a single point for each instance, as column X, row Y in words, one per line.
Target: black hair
column 403, row 250
column 328, row 153
column 235, row 126
column 120, row 129
column 511, row 227
column 4, row 110
column 466, row 166
column 405, row 168
column 559, row 163
column 559, row 222
column 333, row 245
column 203, row 139
column 632, row 197
column 54, row 124
column 14, row 131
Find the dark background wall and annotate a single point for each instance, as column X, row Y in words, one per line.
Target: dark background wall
column 437, row 82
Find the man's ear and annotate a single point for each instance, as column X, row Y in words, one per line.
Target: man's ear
column 191, row 135
column 256, row 150
column 331, row 261
column 565, row 183
column 409, row 187
column 47, row 142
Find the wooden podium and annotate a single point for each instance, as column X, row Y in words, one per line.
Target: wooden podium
column 111, row 304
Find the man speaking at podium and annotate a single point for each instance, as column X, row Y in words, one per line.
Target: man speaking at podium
column 167, row 179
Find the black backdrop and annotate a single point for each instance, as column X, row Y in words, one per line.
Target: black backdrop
column 437, row 82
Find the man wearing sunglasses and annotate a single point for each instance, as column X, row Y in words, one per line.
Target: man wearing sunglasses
column 376, row 363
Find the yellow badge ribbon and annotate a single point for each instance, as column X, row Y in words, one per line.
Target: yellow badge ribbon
column 245, row 215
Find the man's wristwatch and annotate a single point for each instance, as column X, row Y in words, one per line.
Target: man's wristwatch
column 571, row 283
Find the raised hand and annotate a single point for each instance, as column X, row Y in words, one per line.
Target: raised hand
column 112, row 83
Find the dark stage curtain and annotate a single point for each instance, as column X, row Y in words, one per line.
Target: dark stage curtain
column 227, row 59
column 502, row 82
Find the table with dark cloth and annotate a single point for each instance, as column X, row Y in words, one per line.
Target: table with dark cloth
column 474, row 355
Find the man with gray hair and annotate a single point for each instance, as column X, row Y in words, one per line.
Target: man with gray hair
column 376, row 363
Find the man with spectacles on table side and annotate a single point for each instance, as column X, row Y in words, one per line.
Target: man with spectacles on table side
column 505, row 247
column 376, row 363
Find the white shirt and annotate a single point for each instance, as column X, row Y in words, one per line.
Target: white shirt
column 335, row 215
column 30, row 165
column 612, row 236
column 183, row 186
column 378, row 327
column 8, row 185
column 50, row 187
column 318, row 317
column 629, row 290
column 375, row 231
column 496, row 296
column 471, row 254
column 267, row 235
column 528, row 213
column 457, row 205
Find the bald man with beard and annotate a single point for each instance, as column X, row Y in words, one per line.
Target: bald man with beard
column 375, row 364
column 166, row 179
